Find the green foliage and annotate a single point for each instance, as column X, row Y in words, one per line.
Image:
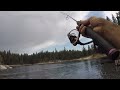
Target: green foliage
column 1, row 59
column 12, row 58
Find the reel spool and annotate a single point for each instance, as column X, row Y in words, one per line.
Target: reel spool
column 75, row 39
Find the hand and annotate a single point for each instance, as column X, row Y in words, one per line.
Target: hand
column 108, row 30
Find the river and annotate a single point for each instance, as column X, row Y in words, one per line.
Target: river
column 90, row 69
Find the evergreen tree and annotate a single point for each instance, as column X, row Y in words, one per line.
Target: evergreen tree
column 84, row 51
column 114, row 19
column 12, row 58
column 1, row 59
column 89, row 50
column 108, row 18
column 118, row 17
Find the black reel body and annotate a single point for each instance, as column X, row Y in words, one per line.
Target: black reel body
column 75, row 39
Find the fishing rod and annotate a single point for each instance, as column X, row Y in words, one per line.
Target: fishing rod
column 97, row 40
column 75, row 39
column 68, row 16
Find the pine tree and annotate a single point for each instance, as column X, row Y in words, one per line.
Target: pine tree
column 89, row 50
column 1, row 59
column 118, row 17
column 114, row 19
column 84, row 51
column 108, row 18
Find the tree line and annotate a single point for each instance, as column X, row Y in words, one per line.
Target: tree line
column 6, row 57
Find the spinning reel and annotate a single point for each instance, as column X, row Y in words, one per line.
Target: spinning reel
column 75, row 39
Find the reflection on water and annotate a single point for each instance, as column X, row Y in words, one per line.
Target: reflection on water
column 68, row 70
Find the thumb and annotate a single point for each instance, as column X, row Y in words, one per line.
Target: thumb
column 98, row 30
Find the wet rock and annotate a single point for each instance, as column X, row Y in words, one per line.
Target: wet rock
column 4, row 67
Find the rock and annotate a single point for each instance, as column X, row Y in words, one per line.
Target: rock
column 2, row 67
column 8, row 67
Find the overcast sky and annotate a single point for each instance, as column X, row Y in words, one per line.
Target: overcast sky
column 33, row 31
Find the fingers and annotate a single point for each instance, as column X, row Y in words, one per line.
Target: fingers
column 85, row 22
column 83, row 31
column 88, row 21
column 79, row 28
column 94, row 22
column 98, row 30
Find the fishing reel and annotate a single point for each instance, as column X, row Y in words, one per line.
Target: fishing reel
column 75, row 39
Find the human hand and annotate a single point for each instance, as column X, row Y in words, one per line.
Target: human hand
column 108, row 30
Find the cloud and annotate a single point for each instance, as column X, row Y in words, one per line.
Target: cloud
column 33, row 31
column 22, row 30
column 40, row 47
column 109, row 13
column 96, row 13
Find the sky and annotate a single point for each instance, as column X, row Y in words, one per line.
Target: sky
column 34, row 31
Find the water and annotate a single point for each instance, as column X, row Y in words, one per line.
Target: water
column 91, row 69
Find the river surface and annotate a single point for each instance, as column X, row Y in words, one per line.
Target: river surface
column 91, row 69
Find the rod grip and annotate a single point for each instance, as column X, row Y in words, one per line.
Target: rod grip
column 110, row 51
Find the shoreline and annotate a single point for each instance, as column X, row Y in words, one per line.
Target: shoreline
column 91, row 57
